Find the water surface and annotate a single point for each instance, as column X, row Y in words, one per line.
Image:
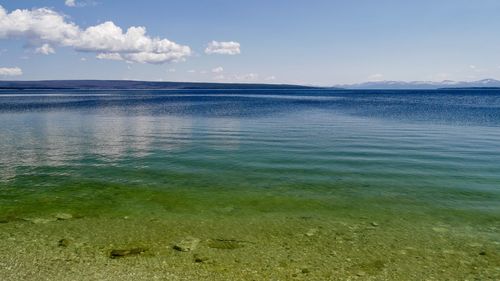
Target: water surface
column 385, row 185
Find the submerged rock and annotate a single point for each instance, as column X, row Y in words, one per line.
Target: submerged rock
column 63, row 242
column 440, row 229
column 311, row 232
column 123, row 253
column 187, row 244
column 199, row 259
column 63, row 216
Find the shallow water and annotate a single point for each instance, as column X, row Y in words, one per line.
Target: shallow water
column 305, row 184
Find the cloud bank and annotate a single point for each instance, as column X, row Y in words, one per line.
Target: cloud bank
column 223, row 48
column 44, row 29
column 10, row 71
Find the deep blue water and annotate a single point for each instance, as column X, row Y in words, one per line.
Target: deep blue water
column 440, row 148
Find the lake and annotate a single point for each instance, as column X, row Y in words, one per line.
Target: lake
column 250, row 185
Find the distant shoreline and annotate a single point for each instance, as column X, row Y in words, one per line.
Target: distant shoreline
column 109, row 85
column 135, row 85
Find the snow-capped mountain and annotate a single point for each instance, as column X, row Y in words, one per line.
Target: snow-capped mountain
column 388, row 85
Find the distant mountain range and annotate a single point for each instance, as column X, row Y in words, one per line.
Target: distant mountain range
column 393, row 85
column 130, row 85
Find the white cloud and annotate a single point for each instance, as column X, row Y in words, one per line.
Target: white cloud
column 218, row 69
column 171, row 70
column 10, row 71
column 375, row 77
column 271, row 78
column 223, row 48
column 109, row 56
column 191, row 71
column 133, row 45
column 43, row 26
column 70, row 3
column 80, row 3
column 246, row 77
column 45, row 49
column 38, row 26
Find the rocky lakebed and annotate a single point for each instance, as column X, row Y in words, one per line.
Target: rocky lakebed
column 64, row 246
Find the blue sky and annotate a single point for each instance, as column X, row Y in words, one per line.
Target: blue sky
column 320, row 42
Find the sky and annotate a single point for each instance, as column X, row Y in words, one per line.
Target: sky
column 315, row 42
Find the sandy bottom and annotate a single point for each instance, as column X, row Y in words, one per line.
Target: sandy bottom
column 254, row 247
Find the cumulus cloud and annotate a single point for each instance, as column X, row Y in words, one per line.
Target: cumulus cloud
column 10, row 71
column 45, row 49
column 46, row 28
column 38, row 26
column 218, row 69
column 223, row 48
column 70, row 3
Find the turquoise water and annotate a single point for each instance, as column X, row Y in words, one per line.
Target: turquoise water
column 257, row 163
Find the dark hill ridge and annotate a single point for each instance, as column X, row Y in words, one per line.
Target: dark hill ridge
column 148, row 85
column 128, row 84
